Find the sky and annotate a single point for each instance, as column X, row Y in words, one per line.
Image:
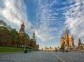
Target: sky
column 48, row 18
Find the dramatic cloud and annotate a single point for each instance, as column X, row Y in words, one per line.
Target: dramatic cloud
column 46, row 30
column 47, row 17
column 75, row 19
column 14, row 12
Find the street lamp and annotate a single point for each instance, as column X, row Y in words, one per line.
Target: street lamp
column 24, row 45
column 25, row 51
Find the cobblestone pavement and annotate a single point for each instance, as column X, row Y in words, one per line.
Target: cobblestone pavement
column 42, row 57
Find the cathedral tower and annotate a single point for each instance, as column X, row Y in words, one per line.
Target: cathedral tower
column 67, row 41
column 22, row 29
column 33, row 36
column 21, row 35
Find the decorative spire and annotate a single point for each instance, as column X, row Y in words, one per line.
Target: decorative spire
column 67, row 31
column 34, row 35
column 79, row 43
column 22, row 29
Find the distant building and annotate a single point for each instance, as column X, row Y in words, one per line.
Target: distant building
column 37, row 46
column 49, row 49
column 80, row 45
column 67, row 41
column 33, row 41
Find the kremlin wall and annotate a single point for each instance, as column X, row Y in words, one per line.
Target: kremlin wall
column 11, row 38
column 29, row 43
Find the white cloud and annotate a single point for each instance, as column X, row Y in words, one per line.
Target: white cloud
column 45, row 15
column 75, row 19
column 14, row 13
column 43, row 30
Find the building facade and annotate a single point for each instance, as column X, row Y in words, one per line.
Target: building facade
column 29, row 42
column 67, row 41
column 22, row 35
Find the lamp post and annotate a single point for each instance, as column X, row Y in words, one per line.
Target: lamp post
column 25, row 51
column 24, row 45
column 24, row 42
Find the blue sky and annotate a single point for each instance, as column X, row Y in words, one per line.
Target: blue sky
column 48, row 18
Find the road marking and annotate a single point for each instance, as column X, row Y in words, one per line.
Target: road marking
column 57, row 56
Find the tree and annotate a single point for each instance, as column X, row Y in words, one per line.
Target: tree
column 2, row 23
column 4, row 35
column 8, row 37
column 14, row 37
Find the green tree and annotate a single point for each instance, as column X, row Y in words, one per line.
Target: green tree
column 4, row 35
column 14, row 37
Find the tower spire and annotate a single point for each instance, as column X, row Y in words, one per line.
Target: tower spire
column 33, row 35
column 22, row 29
